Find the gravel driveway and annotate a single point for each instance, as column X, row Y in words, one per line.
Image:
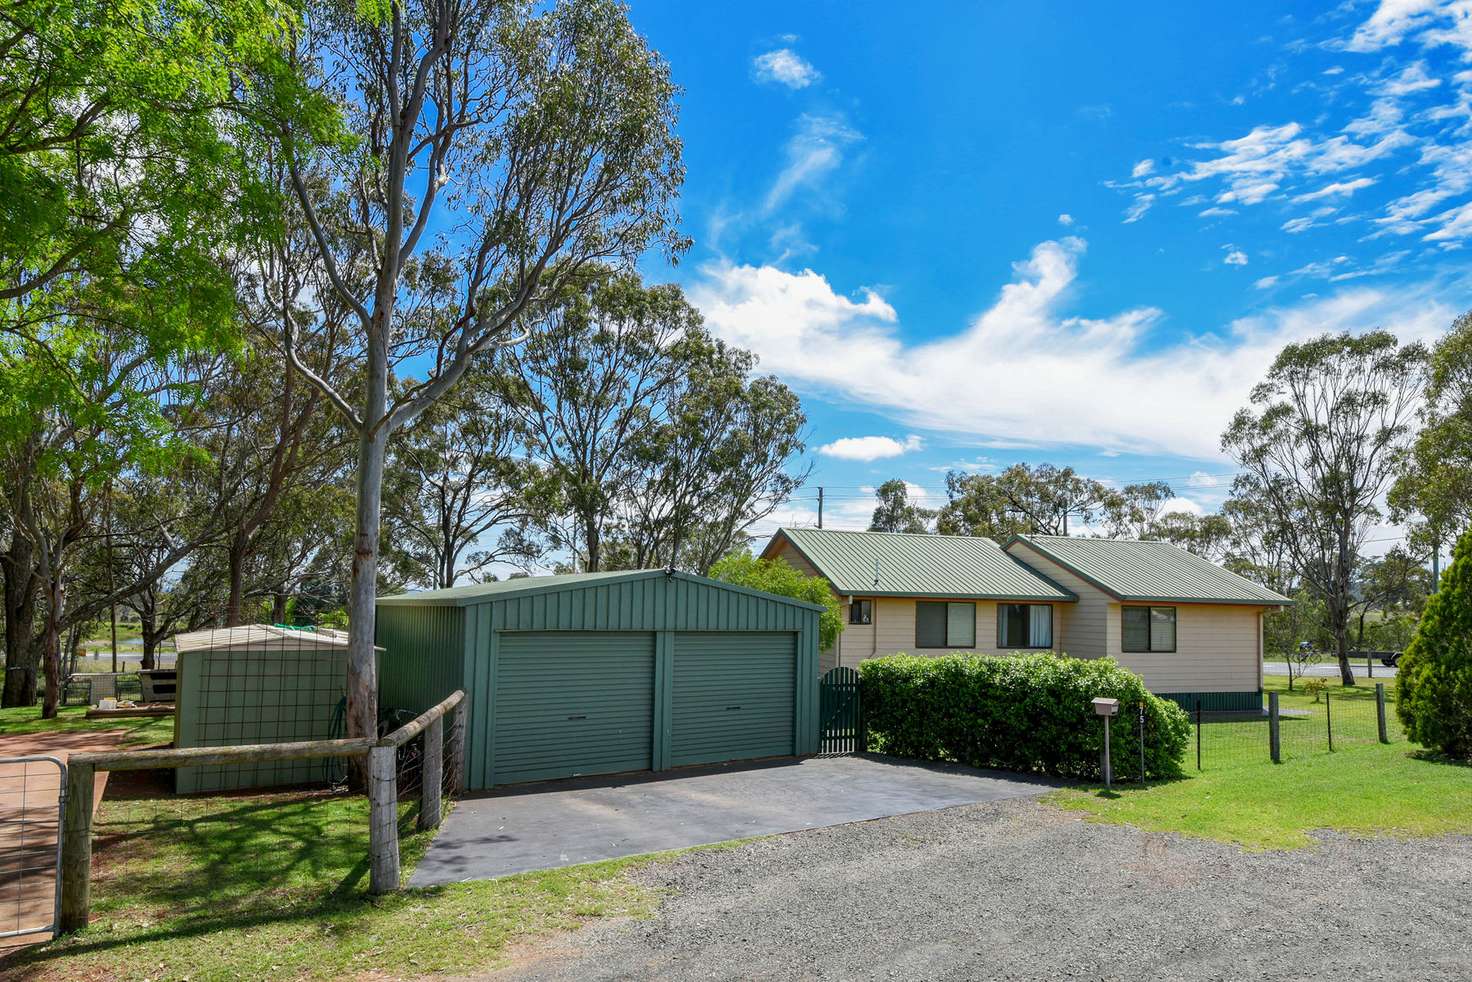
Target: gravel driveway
column 1020, row 890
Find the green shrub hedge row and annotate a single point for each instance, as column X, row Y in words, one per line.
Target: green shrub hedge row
column 1018, row 713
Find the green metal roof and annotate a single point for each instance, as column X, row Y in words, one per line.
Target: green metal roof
column 477, row 593
column 896, row 564
column 1156, row 571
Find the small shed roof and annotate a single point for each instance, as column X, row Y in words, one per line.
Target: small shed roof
column 478, row 593
column 260, row 637
column 1149, row 571
column 898, row 564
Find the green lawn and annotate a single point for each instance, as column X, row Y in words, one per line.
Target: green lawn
column 274, row 886
column 1363, row 788
column 143, row 731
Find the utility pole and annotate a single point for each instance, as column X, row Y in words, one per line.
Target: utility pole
column 820, row 506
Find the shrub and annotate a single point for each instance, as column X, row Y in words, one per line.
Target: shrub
column 1019, row 713
column 776, row 576
column 1315, row 687
column 1433, row 682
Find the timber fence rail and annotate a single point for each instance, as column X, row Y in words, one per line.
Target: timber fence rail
column 383, row 796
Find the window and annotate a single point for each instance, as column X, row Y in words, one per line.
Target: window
column 945, row 625
column 1024, row 625
column 1149, row 628
column 861, row 612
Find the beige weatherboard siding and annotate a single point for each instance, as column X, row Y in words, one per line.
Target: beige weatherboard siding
column 893, row 631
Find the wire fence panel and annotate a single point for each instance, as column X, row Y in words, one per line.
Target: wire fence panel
column 1311, row 723
column 30, row 836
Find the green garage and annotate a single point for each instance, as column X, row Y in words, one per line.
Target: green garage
column 606, row 673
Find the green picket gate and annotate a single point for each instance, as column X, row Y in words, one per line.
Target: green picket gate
column 840, row 710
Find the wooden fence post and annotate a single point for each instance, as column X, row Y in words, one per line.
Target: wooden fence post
column 1380, row 711
column 432, row 775
column 456, row 782
column 383, row 820
column 1275, row 735
column 76, row 849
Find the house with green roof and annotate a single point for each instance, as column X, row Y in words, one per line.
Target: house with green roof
column 1191, row 629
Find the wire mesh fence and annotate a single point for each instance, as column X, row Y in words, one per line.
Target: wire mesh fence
column 1320, row 720
column 30, row 824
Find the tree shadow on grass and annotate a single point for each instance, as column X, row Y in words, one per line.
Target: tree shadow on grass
column 1437, row 757
column 198, row 866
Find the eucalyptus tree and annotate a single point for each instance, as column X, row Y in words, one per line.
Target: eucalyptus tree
column 720, row 461
column 475, row 156
column 1319, row 447
column 463, row 493
column 1021, row 499
column 893, row 511
column 1433, row 491
column 598, row 374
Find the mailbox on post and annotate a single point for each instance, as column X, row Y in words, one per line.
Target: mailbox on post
column 1106, row 708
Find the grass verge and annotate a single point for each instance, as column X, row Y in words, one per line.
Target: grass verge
column 274, row 886
column 143, row 731
column 1240, row 796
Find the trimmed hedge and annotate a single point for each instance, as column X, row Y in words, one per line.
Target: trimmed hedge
column 1019, row 713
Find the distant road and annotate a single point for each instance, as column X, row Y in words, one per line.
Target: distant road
column 1329, row 668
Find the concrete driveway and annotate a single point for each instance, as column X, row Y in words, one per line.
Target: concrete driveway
column 569, row 822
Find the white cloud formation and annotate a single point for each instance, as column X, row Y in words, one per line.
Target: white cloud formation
column 1201, row 479
column 1336, row 189
column 784, row 67
column 1142, row 168
column 1266, row 282
column 1138, row 208
column 870, row 448
column 1183, row 506
column 1023, row 369
column 1431, row 22
column 1065, row 219
column 1235, row 257
column 813, row 153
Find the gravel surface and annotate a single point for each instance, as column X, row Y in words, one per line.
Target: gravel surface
column 1021, row 890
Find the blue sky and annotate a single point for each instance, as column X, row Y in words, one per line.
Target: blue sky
column 972, row 234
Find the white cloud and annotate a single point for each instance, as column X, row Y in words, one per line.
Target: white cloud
column 1216, row 211
column 1143, row 168
column 1201, row 479
column 1303, row 223
column 1266, row 282
column 813, row 153
column 1183, row 506
column 1413, row 79
column 785, row 67
column 1336, row 189
column 1050, row 377
column 1136, row 211
column 1395, row 21
column 1235, row 257
column 1065, row 219
column 870, row 448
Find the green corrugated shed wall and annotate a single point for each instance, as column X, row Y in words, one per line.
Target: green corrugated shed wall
column 422, row 664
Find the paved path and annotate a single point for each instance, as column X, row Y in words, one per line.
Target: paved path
column 565, row 823
column 1330, row 669
column 1019, row 890
column 29, row 826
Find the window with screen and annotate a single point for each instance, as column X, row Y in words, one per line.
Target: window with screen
column 1148, row 629
column 1024, row 625
column 861, row 612
column 945, row 625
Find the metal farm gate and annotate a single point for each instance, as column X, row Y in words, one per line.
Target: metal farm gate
column 32, row 793
column 840, row 712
